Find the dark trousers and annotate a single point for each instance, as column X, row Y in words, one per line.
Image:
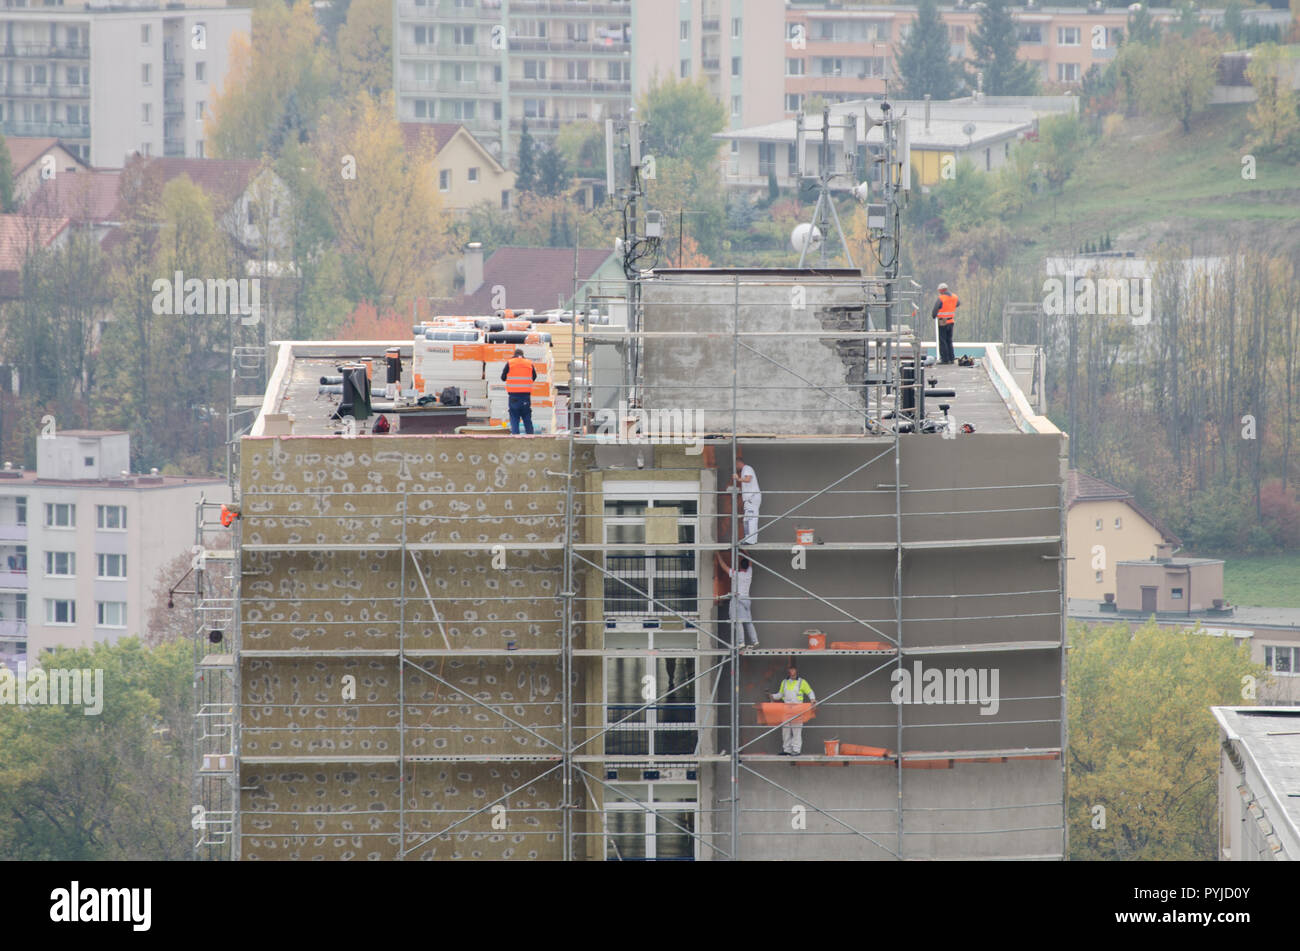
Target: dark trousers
column 945, row 343
column 521, row 410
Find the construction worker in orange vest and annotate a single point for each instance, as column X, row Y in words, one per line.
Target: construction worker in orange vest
column 945, row 311
column 519, row 374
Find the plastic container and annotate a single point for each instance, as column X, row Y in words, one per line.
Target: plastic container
column 816, row 641
column 853, row 749
column 775, row 714
column 832, row 747
column 803, row 536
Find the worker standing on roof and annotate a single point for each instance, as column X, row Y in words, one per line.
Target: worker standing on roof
column 792, row 690
column 945, row 311
column 751, row 498
column 742, row 617
column 519, row 374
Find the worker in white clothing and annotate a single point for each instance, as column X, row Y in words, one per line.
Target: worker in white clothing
column 792, row 690
column 750, row 498
column 742, row 613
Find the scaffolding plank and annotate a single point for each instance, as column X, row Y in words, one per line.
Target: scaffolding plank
column 991, row 647
column 218, row 660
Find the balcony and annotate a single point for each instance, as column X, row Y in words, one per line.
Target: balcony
column 709, row 63
column 13, row 628
column 11, row 580
column 466, row 50
column 1107, row 53
column 710, row 26
column 531, row 44
column 609, row 87
column 13, row 533
column 535, row 123
column 408, row 10
column 571, row 8
column 173, row 107
column 45, row 51
column 59, row 130
column 455, row 86
column 173, row 70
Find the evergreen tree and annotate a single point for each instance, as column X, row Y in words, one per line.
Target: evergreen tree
column 1141, row 28
column 923, row 62
column 995, row 46
column 526, row 175
column 552, row 176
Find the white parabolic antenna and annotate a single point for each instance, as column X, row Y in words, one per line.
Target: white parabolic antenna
column 806, row 236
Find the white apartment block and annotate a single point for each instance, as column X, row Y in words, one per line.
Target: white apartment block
column 82, row 542
column 491, row 64
column 736, row 46
column 112, row 81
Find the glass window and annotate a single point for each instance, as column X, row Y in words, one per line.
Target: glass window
column 111, row 517
column 1282, row 660
column 651, row 821
column 145, row 75
column 650, row 581
column 60, row 611
column 110, row 566
column 20, row 503
column 1118, row 521
column 793, row 102
column 684, row 30
column 735, row 65
column 735, row 106
column 61, row 564
column 110, row 613
column 1098, row 577
column 472, row 175
column 60, row 515
column 1176, row 594
column 444, row 180
column 1067, row 36
column 144, row 34
column 201, row 72
column 736, row 28
column 794, row 66
column 1098, row 524
column 686, row 69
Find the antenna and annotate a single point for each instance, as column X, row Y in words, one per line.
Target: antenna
column 808, row 236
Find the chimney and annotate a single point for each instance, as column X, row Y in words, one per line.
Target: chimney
column 927, row 112
column 1164, row 552
column 473, row 267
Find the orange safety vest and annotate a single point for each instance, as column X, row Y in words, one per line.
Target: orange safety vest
column 947, row 307
column 519, row 379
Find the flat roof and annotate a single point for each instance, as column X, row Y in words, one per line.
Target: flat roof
column 985, row 399
column 1173, row 562
column 1270, row 738
column 1279, row 619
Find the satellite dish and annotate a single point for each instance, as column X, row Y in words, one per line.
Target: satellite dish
column 805, row 237
column 968, row 129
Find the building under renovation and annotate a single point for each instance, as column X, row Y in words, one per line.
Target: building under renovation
column 477, row 646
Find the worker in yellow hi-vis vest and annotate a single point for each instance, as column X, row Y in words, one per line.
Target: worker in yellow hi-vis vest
column 792, row 690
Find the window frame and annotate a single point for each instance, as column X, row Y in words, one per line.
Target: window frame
column 51, row 564
column 51, row 612
column 101, row 561
column 52, row 507
column 99, row 614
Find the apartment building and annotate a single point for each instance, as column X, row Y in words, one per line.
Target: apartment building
column 1259, row 765
column 489, row 65
column 731, row 44
column 82, row 541
column 537, row 628
column 111, row 82
column 839, row 51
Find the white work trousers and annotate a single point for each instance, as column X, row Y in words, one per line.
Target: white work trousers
column 792, row 738
column 743, row 621
column 750, row 509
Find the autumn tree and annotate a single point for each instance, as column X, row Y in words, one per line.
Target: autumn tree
column 115, row 785
column 1143, row 743
column 367, row 323
column 384, row 207
column 365, row 48
column 7, row 204
column 681, row 117
column 276, row 85
column 1177, row 78
column 1273, row 117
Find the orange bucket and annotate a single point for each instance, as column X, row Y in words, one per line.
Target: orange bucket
column 816, row 641
column 803, row 536
column 832, row 747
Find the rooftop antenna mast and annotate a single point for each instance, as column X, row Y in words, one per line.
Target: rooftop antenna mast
column 808, row 236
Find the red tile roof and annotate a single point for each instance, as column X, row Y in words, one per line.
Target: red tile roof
column 23, row 151
column 533, row 278
column 414, row 132
column 221, row 178
column 1080, row 487
column 18, row 233
column 86, row 196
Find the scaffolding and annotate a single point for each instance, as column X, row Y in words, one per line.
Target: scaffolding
column 648, row 741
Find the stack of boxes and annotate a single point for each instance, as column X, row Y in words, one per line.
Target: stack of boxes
column 462, row 352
